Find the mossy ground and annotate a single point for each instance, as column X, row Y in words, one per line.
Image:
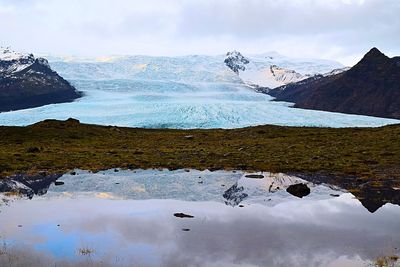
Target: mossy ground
column 370, row 154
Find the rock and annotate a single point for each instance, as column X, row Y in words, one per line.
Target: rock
column 254, row 176
column 73, row 173
column 335, row 195
column 185, row 229
column 299, row 190
column 183, row 215
column 72, row 120
column 27, row 82
column 58, row 183
column 371, row 87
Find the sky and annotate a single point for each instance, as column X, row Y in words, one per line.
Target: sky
column 341, row 30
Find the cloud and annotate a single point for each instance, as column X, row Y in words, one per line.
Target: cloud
column 335, row 29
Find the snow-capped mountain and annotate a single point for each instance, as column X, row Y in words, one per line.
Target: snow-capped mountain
column 13, row 62
column 260, row 76
column 272, row 70
column 26, row 81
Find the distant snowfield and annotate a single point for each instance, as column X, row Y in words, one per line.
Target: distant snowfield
column 183, row 92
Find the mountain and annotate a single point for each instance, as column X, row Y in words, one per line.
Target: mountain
column 26, row 82
column 186, row 69
column 271, row 70
column 260, row 76
column 371, row 87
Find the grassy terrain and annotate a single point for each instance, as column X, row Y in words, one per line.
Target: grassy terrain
column 369, row 154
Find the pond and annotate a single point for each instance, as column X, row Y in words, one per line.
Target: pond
column 191, row 218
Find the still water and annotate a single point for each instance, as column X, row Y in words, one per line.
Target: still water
column 192, row 218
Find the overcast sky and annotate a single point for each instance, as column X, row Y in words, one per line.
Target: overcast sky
column 335, row 29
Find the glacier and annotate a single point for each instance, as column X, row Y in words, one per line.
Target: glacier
column 177, row 92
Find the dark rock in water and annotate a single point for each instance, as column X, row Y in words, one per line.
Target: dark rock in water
column 335, row 195
column 183, row 215
column 299, row 190
column 234, row 195
column 58, row 183
column 241, row 206
column 185, row 229
column 255, row 176
column 73, row 173
column 27, row 82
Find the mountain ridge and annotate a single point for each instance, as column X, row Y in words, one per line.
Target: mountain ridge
column 371, row 87
column 27, row 82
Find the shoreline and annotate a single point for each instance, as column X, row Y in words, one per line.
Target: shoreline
column 351, row 158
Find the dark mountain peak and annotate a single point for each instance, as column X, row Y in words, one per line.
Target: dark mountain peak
column 375, row 52
column 374, row 63
column 374, row 55
column 371, row 88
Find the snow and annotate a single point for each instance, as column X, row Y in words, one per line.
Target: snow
column 273, row 70
column 14, row 61
column 7, row 54
column 304, row 66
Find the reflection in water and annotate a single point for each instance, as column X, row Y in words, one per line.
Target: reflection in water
column 130, row 227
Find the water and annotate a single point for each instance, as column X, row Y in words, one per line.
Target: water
column 180, row 92
column 126, row 218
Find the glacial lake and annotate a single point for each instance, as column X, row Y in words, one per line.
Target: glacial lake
column 191, row 218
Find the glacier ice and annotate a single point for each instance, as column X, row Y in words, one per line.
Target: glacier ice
column 181, row 92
